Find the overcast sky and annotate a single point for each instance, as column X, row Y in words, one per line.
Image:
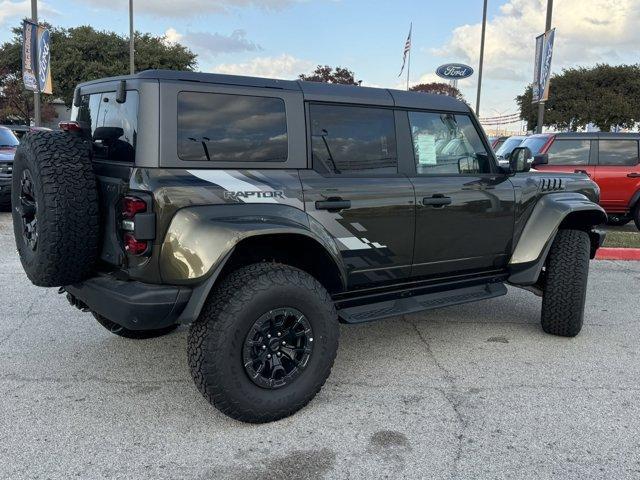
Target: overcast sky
column 282, row 38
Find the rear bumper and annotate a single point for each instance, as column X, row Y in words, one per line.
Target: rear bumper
column 134, row 305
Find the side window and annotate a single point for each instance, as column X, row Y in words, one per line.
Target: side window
column 447, row 144
column 231, row 128
column 353, row 140
column 569, row 152
column 113, row 126
column 618, row 152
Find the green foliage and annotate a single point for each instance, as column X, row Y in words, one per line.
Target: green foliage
column 604, row 95
column 82, row 53
column 326, row 74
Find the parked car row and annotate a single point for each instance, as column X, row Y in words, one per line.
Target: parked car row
column 8, row 145
column 612, row 160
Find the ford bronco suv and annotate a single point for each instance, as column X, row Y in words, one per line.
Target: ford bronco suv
column 264, row 212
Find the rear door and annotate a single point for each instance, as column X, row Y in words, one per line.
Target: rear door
column 355, row 193
column 464, row 207
column 618, row 172
column 571, row 155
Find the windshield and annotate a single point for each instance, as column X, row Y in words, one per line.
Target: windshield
column 7, row 138
column 535, row 144
column 507, row 147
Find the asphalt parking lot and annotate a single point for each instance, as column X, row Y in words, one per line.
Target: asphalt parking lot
column 474, row 391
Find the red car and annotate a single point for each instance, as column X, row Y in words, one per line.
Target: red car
column 611, row 159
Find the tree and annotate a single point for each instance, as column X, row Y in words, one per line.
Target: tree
column 326, row 74
column 80, row 54
column 604, row 95
column 439, row 88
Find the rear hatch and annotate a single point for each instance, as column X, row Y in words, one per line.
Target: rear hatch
column 112, row 127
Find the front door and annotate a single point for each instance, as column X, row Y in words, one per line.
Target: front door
column 571, row 155
column 356, row 194
column 464, row 207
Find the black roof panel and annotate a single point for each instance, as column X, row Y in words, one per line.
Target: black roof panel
column 428, row 101
column 331, row 92
column 313, row 91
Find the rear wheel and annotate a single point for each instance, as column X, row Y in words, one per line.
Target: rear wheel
column 133, row 334
column 565, row 289
column 636, row 215
column 264, row 343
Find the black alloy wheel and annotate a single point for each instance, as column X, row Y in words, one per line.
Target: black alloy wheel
column 28, row 209
column 278, row 347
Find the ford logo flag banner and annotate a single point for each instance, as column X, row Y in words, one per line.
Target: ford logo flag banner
column 542, row 66
column 36, row 56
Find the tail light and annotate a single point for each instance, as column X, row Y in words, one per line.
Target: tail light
column 137, row 224
column 70, row 126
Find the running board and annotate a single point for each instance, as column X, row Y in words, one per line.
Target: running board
column 418, row 303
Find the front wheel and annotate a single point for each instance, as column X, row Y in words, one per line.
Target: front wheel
column 565, row 289
column 264, row 343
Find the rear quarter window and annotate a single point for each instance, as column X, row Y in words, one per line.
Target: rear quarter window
column 113, row 126
column 220, row 127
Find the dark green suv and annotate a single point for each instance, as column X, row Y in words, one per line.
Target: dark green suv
column 264, row 212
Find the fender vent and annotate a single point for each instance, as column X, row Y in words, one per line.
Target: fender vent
column 551, row 184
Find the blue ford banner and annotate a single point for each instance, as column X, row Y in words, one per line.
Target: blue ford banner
column 454, row 71
column 36, row 57
column 542, row 66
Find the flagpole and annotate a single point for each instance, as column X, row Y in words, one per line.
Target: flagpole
column 408, row 68
column 37, row 118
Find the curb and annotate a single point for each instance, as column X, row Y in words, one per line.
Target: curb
column 618, row 254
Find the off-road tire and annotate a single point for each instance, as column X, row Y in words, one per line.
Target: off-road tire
column 66, row 199
column 132, row 334
column 567, row 270
column 216, row 340
column 636, row 215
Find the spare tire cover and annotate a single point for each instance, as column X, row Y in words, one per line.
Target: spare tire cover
column 55, row 208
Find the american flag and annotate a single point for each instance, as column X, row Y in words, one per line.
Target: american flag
column 407, row 49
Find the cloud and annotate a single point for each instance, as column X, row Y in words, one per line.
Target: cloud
column 586, row 32
column 208, row 45
column 21, row 9
column 190, row 8
column 284, row 66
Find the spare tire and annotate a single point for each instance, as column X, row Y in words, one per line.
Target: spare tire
column 55, row 208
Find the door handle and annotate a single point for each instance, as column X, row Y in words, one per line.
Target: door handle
column 436, row 201
column 582, row 171
column 633, row 175
column 333, row 204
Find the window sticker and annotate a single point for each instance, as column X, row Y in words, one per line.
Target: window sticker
column 426, row 149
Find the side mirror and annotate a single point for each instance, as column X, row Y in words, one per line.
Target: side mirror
column 520, row 160
column 468, row 165
column 540, row 159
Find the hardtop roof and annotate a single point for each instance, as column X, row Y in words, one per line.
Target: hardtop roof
column 312, row 91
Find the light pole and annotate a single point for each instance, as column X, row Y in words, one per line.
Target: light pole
column 37, row 119
column 132, row 63
column 484, row 29
column 541, row 104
